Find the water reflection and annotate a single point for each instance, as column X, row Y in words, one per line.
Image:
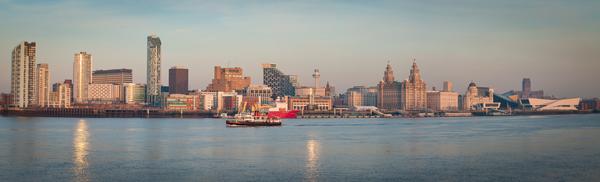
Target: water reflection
column 312, row 160
column 80, row 151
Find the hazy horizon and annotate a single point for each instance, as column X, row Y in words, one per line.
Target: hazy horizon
column 496, row 44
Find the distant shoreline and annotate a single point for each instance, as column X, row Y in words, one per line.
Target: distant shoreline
column 148, row 113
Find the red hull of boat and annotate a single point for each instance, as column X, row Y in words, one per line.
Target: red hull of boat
column 292, row 114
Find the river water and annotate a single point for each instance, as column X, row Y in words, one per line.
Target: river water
column 520, row 148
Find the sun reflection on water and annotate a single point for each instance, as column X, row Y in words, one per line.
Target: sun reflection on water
column 80, row 151
column 312, row 160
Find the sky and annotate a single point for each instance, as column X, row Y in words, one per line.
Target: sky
column 493, row 43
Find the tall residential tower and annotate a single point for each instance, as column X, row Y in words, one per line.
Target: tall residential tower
column 43, row 81
column 153, row 83
column 82, row 76
column 23, row 81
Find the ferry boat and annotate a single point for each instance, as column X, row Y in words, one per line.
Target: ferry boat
column 253, row 118
column 247, row 119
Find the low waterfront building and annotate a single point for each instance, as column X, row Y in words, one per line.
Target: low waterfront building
column 487, row 106
column 6, row 99
column 590, row 105
column 104, row 93
column 355, row 98
column 218, row 101
column 134, row 93
column 477, row 96
column 207, row 101
column 368, row 96
column 61, row 96
column 181, row 102
column 442, row 101
column 261, row 93
column 551, row 104
column 304, row 103
column 228, row 101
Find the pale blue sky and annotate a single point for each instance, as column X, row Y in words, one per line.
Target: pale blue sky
column 495, row 43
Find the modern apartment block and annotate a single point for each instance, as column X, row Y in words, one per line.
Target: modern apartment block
column 82, row 76
column 178, row 80
column 112, row 76
column 258, row 93
column 23, row 82
column 42, row 89
column 61, row 95
column 104, row 93
column 134, row 93
column 181, row 102
column 153, row 83
column 281, row 84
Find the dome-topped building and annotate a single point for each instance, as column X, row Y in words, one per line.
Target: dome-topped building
column 388, row 91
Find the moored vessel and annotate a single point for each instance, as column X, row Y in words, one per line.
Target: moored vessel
column 280, row 110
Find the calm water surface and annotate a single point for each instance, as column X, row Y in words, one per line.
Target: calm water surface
column 528, row 148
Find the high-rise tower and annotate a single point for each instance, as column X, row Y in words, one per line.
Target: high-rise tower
column 526, row 84
column 153, row 83
column 42, row 89
column 82, row 76
column 23, row 80
column 178, row 80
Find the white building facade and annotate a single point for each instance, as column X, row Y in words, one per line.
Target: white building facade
column 82, row 76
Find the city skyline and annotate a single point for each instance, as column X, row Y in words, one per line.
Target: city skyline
column 556, row 52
